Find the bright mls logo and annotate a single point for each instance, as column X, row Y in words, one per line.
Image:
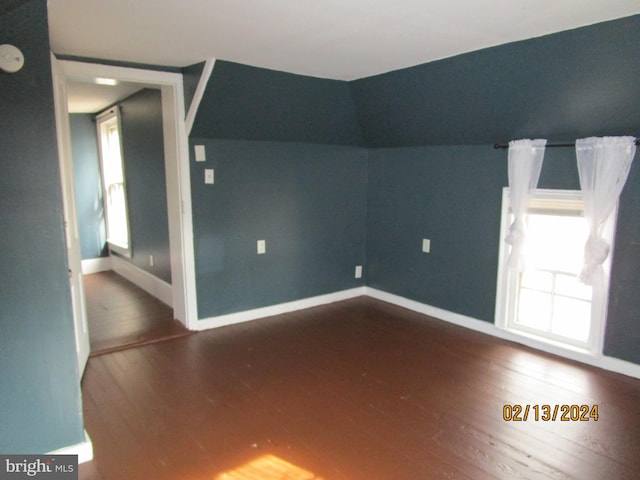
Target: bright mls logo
column 51, row 467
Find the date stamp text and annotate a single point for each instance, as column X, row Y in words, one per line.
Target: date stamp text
column 550, row 413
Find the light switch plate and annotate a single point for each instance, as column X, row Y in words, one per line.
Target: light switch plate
column 208, row 176
column 262, row 247
column 200, row 153
column 426, row 245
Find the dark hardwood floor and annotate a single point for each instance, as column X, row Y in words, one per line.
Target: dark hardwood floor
column 122, row 315
column 354, row 390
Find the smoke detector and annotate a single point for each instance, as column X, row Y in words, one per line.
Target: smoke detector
column 11, row 58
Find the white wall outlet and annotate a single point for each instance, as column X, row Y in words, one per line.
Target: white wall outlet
column 151, row 261
column 426, row 245
column 358, row 271
column 262, row 247
column 200, row 153
column 208, row 176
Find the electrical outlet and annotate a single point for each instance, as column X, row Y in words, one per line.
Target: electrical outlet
column 426, row 245
column 151, row 261
column 208, row 176
column 262, row 247
column 358, row 271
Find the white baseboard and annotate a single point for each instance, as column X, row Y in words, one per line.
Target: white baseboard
column 620, row 366
column 151, row 284
column 601, row 361
column 84, row 450
column 248, row 315
column 95, row 265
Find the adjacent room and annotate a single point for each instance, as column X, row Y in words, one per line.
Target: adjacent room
column 121, row 209
column 358, row 240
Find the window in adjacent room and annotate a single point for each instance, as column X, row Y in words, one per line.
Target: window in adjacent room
column 113, row 181
column 546, row 300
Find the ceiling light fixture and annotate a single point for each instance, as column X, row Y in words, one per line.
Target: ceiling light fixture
column 107, row 81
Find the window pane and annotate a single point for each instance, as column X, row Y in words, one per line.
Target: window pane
column 571, row 318
column 537, row 280
column 547, row 299
column 117, row 214
column 534, row 309
column 114, row 184
column 114, row 160
column 569, row 286
column 555, row 242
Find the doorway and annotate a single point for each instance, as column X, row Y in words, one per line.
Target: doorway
column 121, row 199
column 122, row 315
column 176, row 167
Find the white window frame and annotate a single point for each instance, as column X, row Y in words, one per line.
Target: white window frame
column 507, row 278
column 102, row 119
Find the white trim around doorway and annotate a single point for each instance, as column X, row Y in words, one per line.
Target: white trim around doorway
column 177, row 173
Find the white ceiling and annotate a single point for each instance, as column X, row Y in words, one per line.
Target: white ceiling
column 85, row 97
column 337, row 39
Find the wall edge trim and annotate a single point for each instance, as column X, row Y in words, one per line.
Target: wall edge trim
column 198, row 94
column 153, row 285
column 604, row 362
column 84, row 450
column 257, row 313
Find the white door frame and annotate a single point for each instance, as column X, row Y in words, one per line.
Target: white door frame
column 72, row 235
column 176, row 148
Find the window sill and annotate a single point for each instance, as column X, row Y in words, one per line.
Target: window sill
column 119, row 249
column 540, row 342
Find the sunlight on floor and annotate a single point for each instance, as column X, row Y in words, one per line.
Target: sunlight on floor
column 268, row 467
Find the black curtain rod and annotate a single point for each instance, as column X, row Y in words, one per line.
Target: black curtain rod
column 506, row 145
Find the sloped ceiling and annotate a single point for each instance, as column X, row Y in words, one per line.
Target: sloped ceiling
column 334, row 39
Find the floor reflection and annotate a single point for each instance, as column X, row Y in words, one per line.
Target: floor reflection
column 268, row 467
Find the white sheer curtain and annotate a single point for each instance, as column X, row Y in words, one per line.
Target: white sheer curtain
column 525, row 163
column 603, row 165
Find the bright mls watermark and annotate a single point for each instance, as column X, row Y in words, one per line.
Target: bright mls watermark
column 51, row 467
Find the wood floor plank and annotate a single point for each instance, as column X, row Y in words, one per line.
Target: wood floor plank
column 353, row 390
column 121, row 315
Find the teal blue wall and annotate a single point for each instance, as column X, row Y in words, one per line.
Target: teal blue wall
column 451, row 195
column 190, row 79
column 430, row 185
column 291, row 169
column 119, row 63
column 248, row 103
column 622, row 339
column 287, row 170
column 307, row 201
column 564, row 86
column 430, row 172
column 143, row 155
column 88, row 186
column 40, row 405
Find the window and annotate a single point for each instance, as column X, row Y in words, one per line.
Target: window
column 546, row 300
column 113, row 181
